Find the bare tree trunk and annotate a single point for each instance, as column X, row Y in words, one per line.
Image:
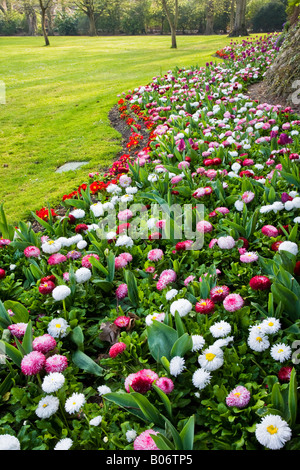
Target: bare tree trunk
column 209, row 28
column 240, row 20
column 172, row 22
column 92, row 24
column 43, row 14
column 231, row 25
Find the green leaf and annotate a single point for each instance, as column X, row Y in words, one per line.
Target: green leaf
column 125, row 400
column 77, row 337
column 5, row 319
column 21, row 314
column 187, row 434
column 12, row 352
column 96, row 263
column 164, row 398
column 6, row 384
column 277, row 398
column 27, row 339
column 111, row 267
column 179, row 324
column 84, row 362
column 182, row 345
column 133, row 293
column 150, row 412
column 292, row 398
column 162, row 442
column 161, row 338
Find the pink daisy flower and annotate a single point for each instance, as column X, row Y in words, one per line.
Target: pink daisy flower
column 117, row 349
column 56, row 258
column 44, row 343
column 155, row 254
column 85, row 260
column 32, row 252
column 122, row 291
column 144, row 441
column 122, row 321
column 120, row 262
column 73, row 254
column 270, row 231
column 248, row 257
column 248, row 196
column 204, row 226
column 165, row 384
column 233, row 302
column 189, row 279
column 17, row 329
column 238, row 397
column 33, row 363
column 125, row 215
column 56, row 363
column 218, row 293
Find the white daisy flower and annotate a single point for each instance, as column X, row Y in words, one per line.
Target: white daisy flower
column 171, row 294
column 53, row 382
column 258, row 342
column 61, row 292
column 103, row 389
column 201, row 378
column 113, row 189
column 81, row 245
column 220, row 343
column 74, row 403
column 198, row 342
column 51, row 246
column 182, row 306
column 58, row 328
column 96, row 421
column 131, row 190
column 291, row 247
column 78, row 213
column 280, row 352
column 97, row 209
column 131, row 435
column 220, row 329
column 83, row 275
column 8, row 442
column 273, row 432
column 177, row 365
column 270, row 325
column 211, row 359
column 47, row 407
column 64, row 444
column 124, row 240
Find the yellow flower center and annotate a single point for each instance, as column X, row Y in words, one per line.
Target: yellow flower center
column 45, row 405
column 50, row 242
column 210, row 356
column 272, row 429
column 259, row 339
column 203, row 303
column 58, row 325
column 219, row 291
column 280, row 350
column 237, row 394
column 270, row 323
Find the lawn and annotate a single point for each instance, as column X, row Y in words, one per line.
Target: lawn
column 57, row 104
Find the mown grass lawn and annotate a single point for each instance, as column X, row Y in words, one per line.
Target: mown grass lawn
column 57, row 104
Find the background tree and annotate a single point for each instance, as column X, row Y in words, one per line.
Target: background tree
column 239, row 28
column 44, row 6
column 171, row 10
column 93, row 9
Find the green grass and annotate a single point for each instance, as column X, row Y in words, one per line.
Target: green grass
column 57, row 104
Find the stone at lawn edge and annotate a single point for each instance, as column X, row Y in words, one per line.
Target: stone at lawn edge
column 70, row 166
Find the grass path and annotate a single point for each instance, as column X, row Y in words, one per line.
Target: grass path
column 57, row 104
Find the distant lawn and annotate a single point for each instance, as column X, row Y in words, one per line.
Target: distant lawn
column 57, row 104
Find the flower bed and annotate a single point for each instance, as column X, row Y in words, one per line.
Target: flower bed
column 119, row 329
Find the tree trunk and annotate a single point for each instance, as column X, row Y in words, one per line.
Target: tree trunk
column 209, row 28
column 172, row 22
column 92, row 22
column 47, row 42
column 231, row 24
column 240, row 20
